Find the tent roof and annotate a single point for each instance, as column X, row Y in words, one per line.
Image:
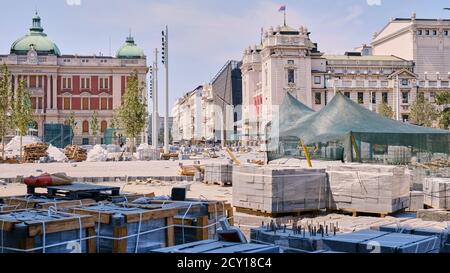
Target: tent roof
column 342, row 116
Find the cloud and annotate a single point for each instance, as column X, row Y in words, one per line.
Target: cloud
column 374, row 2
column 73, row 2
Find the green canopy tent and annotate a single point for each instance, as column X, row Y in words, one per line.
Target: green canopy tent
column 349, row 124
column 291, row 111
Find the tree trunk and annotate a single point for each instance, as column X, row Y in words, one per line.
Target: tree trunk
column 20, row 151
column 3, row 146
column 132, row 147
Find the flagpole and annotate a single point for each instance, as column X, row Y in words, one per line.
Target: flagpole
column 284, row 16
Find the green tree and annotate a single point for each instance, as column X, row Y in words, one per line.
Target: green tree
column 94, row 126
column 423, row 113
column 22, row 114
column 443, row 100
column 5, row 105
column 70, row 121
column 132, row 114
column 385, row 110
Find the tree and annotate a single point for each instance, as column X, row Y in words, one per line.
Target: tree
column 5, row 105
column 385, row 110
column 22, row 114
column 94, row 126
column 423, row 113
column 70, row 121
column 132, row 114
column 443, row 100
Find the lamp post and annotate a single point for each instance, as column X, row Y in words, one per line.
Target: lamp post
column 165, row 60
column 155, row 132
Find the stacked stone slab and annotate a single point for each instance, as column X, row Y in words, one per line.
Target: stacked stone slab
column 369, row 188
column 218, row 174
column 273, row 189
column 437, row 192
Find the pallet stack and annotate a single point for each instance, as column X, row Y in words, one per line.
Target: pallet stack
column 41, row 231
column 75, row 153
column 368, row 188
column 35, row 151
column 195, row 219
column 274, row 190
column 437, row 192
column 130, row 230
column 221, row 174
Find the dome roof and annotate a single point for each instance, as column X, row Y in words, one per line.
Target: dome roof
column 35, row 39
column 130, row 50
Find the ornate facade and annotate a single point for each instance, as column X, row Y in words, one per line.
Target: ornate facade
column 60, row 84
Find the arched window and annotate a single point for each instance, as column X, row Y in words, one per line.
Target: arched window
column 85, row 126
column 103, row 126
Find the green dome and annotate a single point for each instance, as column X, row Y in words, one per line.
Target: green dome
column 36, row 38
column 130, row 50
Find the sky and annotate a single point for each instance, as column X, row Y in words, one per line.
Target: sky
column 203, row 34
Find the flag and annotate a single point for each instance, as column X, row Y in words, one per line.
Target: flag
column 282, row 8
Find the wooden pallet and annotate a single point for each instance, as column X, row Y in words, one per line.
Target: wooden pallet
column 220, row 183
column 356, row 213
column 298, row 213
column 66, row 222
column 21, row 202
column 120, row 245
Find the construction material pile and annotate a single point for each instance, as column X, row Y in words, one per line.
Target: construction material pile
column 12, row 149
column 369, row 188
column 97, row 154
column 35, row 151
column 437, row 192
column 436, row 164
column 56, row 154
column 221, row 174
column 279, row 190
column 75, row 153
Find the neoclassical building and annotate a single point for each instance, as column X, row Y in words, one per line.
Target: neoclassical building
column 61, row 84
column 407, row 57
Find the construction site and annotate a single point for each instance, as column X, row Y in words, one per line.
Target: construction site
column 328, row 183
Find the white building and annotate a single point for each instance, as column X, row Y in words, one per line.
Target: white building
column 409, row 56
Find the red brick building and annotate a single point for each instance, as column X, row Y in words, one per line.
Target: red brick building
column 61, row 84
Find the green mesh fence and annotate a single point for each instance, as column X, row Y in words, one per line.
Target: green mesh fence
column 345, row 130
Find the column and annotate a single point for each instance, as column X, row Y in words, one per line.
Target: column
column 48, row 92
column 54, row 92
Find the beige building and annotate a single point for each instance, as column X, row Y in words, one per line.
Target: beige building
column 409, row 56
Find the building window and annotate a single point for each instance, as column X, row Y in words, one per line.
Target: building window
column 104, row 103
column 266, row 78
column 318, row 98
column 85, row 103
column 291, row 62
column 434, row 32
column 66, row 103
column 291, row 78
column 432, row 96
column 85, row 127
column 67, row 82
column 384, row 97
column 104, row 83
column 347, row 94
column 405, row 97
column 317, row 80
column 85, row 83
column 419, row 32
column 360, row 97
column 445, row 32
column 427, row 32
column 85, row 141
column 405, row 82
column 103, row 126
column 374, row 97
